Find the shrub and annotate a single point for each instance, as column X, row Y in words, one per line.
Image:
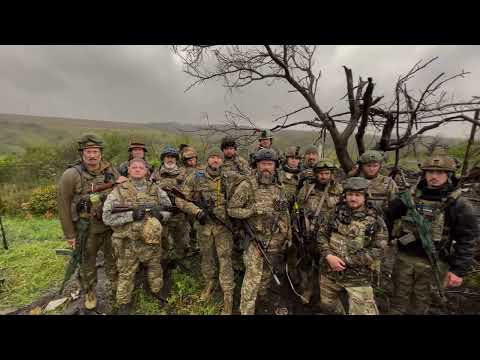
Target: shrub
column 43, row 200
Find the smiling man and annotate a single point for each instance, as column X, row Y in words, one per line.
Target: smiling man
column 454, row 232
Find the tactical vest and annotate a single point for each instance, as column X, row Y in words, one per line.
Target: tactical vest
column 378, row 190
column 289, row 181
column 312, row 200
column 232, row 164
column 130, row 197
column 209, row 191
column 349, row 236
column 433, row 212
column 273, row 225
column 85, row 204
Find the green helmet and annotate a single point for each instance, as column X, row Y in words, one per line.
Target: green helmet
column 325, row 164
column 311, row 149
column 439, row 162
column 90, row 141
column 371, row 156
column 188, row 152
column 355, row 184
column 214, row 152
column 293, row 151
column 266, row 154
column 228, row 141
column 265, row 134
column 137, row 142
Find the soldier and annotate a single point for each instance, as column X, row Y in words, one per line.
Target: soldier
column 136, row 149
column 381, row 188
column 289, row 173
column 81, row 192
column 262, row 201
column 189, row 158
column 317, row 202
column 310, row 159
column 212, row 235
column 351, row 247
column 453, row 229
column 137, row 234
column 168, row 176
column 233, row 161
column 265, row 141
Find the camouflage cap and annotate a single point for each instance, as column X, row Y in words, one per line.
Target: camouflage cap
column 355, row 184
column 266, row 154
column 90, row 141
column 293, row 151
column 214, row 152
column 170, row 151
column 312, row 149
column 324, row 164
column 440, row 161
column 188, row 152
column 137, row 142
column 228, row 141
column 265, row 134
column 371, row 156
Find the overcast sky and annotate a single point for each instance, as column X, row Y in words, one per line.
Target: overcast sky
column 146, row 83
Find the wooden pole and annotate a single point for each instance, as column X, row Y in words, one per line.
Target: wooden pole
column 469, row 145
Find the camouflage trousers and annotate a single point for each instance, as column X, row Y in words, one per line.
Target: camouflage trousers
column 100, row 237
column 213, row 238
column 412, row 280
column 257, row 279
column 343, row 298
column 179, row 237
column 129, row 255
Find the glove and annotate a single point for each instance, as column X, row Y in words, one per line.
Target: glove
column 157, row 214
column 138, row 214
column 202, row 217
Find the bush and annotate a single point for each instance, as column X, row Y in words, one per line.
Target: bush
column 43, row 200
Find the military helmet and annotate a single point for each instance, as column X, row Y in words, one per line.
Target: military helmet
column 439, row 162
column 293, row 151
column 228, row 141
column 265, row 134
column 170, row 151
column 266, row 154
column 90, row 141
column 355, row 184
column 324, row 164
column 137, row 142
column 214, row 152
column 311, row 149
column 371, row 156
column 188, row 152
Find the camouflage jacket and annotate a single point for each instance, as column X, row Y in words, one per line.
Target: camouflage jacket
column 74, row 188
column 382, row 190
column 236, row 163
column 358, row 237
column 309, row 198
column 289, row 179
column 168, row 179
column 131, row 193
column 266, row 208
column 201, row 186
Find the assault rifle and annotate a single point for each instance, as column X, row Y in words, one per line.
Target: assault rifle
column 147, row 207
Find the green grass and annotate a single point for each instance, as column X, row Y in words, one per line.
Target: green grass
column 22, row 230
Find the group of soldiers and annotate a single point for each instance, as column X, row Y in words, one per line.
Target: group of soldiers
column 277, row 219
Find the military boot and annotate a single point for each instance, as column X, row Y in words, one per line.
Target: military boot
column 207, row 292
column 227, row 304
column 90, row 300
column 124, row 309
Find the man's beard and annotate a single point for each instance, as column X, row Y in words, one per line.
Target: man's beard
column 170, row 166
column 265, row 178
column 213, row 171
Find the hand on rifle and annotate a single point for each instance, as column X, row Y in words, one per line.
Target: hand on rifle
column 335, row 263
column 71, row 243
column 452, row 280
column 202, row 217
column 121, row 179
column 138, row 214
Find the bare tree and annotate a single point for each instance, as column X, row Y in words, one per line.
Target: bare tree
column 408, row 114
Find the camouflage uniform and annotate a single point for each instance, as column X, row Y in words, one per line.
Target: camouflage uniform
column 358, row 237
column 178, row 226
column 134, row 143
column 213, row 236
column 266, row 208
column 131, row 244
column 237, row 164
column 307, row 175
column 309, row 200
column 74, row 189
column 265, row 134
column 454, row 231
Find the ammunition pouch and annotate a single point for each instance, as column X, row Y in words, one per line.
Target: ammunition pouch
column 407, row 239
